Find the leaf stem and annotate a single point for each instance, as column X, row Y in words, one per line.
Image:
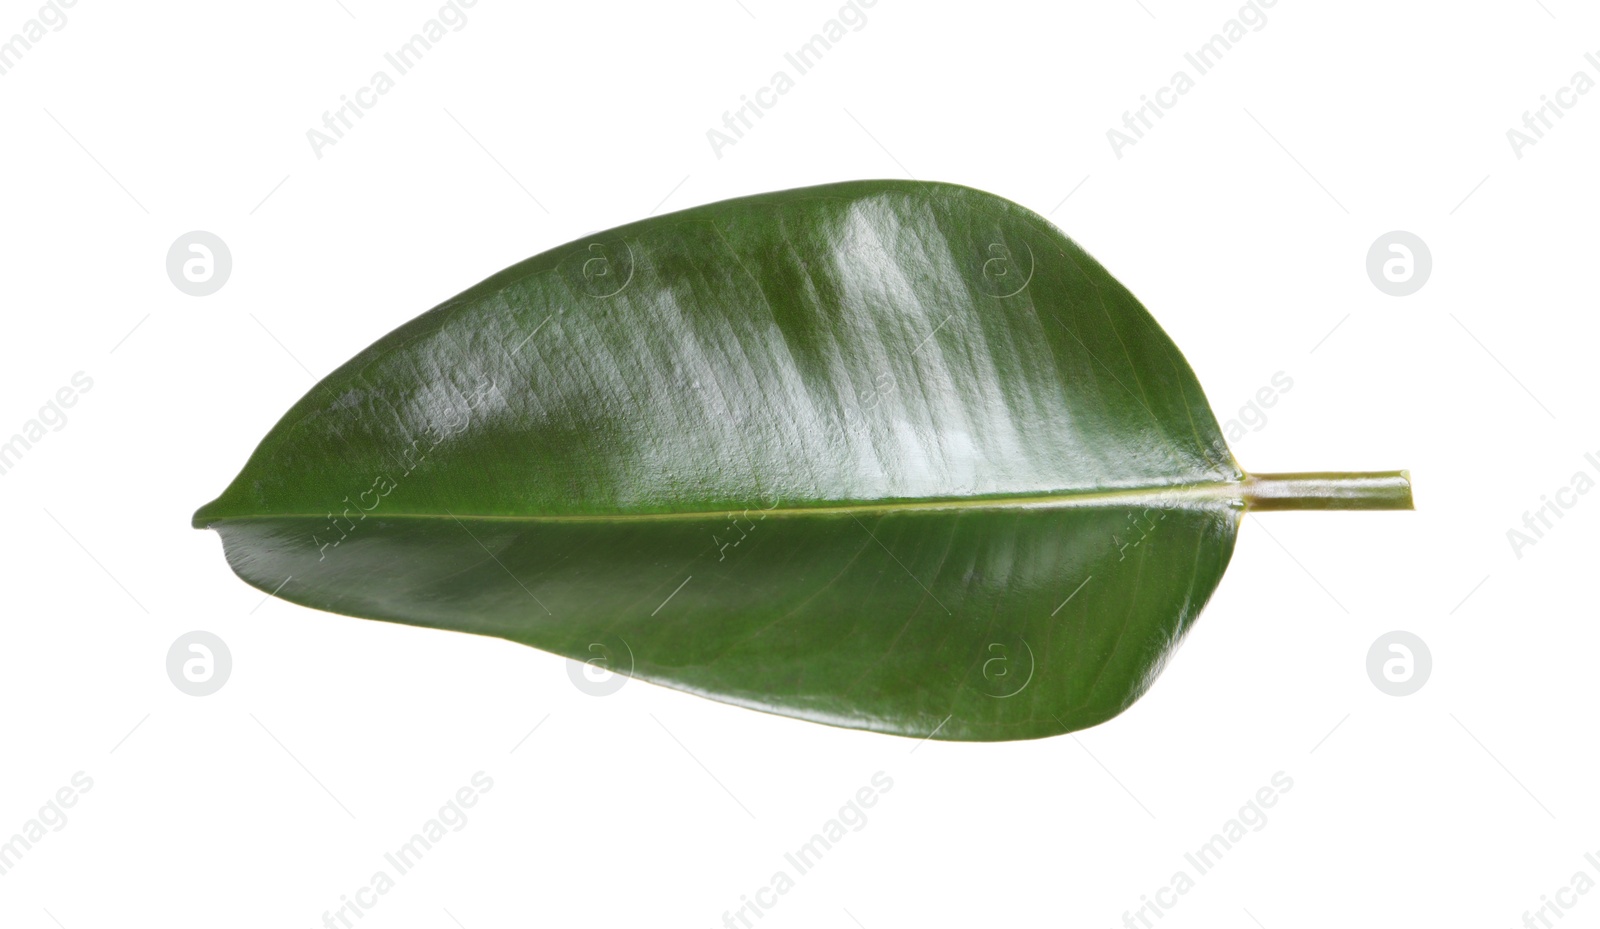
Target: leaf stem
column 1329, row 490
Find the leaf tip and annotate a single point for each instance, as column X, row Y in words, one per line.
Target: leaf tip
column 205, row 516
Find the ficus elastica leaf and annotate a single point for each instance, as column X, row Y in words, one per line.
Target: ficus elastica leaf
column 890, row 455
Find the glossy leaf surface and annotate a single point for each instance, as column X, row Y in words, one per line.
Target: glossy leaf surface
column 884, row 454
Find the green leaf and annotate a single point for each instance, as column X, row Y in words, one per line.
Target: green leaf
column 889, row 455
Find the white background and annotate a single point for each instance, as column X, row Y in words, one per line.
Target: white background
column 1242, row 220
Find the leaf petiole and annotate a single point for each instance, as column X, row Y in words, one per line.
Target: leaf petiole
column 1329, row 490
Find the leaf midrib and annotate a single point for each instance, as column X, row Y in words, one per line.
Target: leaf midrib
column 1165, row 494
